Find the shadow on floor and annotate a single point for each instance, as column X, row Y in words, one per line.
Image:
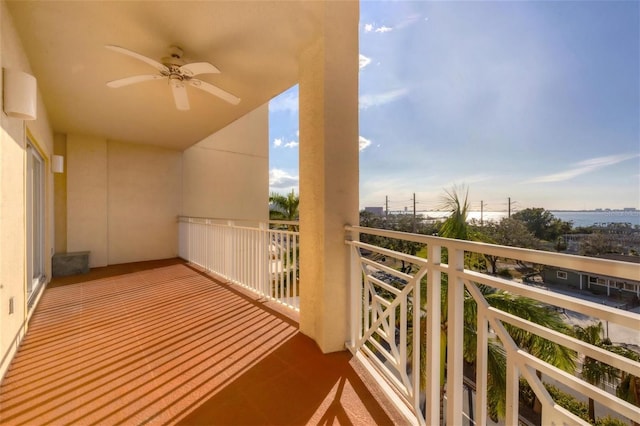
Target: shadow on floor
column 163, row 343
column 295, row 384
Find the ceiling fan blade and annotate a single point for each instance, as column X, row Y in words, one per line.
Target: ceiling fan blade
column 131, row 80
column 180, row 95
column 157, row 65
column 216, row 91
column 196, row 68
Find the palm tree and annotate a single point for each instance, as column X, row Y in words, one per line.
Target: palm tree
column 629, row 390
column 455, row 226
column 594, row 371
column 284, row 207
column 629, row 387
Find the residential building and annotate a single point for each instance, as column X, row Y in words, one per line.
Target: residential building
column 585, row 281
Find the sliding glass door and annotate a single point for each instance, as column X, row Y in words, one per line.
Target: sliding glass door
column 35, row 221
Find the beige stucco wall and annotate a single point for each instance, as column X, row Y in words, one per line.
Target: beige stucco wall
column 144, row 190
column 328, row 173
column 13, row 260
column 87, row 197
column 122, row 200
column 227, row 174
column 60, row 196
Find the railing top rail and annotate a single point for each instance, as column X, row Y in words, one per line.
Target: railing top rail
column 614, row 268
column 223, row 219
column 225, row 223
column 593, row 309
column 392, row 253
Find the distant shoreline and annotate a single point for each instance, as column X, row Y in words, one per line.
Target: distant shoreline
column 597, row 211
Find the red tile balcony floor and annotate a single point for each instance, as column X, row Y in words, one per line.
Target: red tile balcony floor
column 163, row 343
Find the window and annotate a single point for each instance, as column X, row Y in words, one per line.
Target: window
column 561, row 274
column 35, row 221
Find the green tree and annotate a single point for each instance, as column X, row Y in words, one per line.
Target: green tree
column 371, row 220
column 395, row 222
column 456, row 226
column 542, row 223
column 629, row 387
column 629, row 390
column 610, row 421
column 508, row 232
column 595, row 244
column 560, row 245
column 284, row 207
column 594, row 371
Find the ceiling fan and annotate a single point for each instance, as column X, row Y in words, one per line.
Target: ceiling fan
column 177, row 73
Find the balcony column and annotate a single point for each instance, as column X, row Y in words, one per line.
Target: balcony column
column 328, row 78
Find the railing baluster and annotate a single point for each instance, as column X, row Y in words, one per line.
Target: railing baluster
column 433, row 333
column 295, row 271
column 257, row 258
column 455, row 328
column 512, row 389
column 289, row 269
column 481, row 366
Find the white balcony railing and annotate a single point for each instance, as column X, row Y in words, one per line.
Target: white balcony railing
column 255, row 257
column 400, row 317
column 398, row 314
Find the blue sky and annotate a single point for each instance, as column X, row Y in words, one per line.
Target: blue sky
column 534, row 100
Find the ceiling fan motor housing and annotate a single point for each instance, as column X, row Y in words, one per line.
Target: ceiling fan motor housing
column 175, row 57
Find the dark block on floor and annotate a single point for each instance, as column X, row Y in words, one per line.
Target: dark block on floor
column 64, row 264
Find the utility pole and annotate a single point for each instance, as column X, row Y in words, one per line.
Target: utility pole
column 414, row 212
column 386, row 205
column 481, row 213
column 509, row 207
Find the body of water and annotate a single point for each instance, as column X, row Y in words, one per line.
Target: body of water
column 578, row 218
column 588, row 218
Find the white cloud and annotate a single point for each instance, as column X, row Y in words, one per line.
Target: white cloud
column 364, row 143
column 584, row 167
column 383, row 29
column 372, row 27
column 280, row 179
column 409, row 20
column 364, row 61
column 280, row 143
column 369, row 100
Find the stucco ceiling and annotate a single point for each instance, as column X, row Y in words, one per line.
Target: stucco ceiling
column 255, row 44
